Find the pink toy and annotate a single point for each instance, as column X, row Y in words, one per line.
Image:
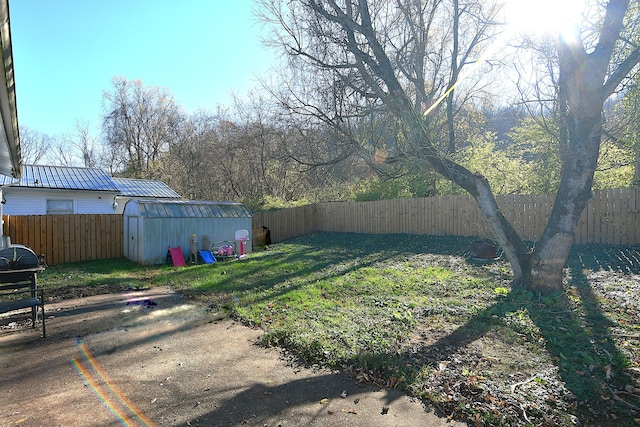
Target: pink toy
column 226, row 250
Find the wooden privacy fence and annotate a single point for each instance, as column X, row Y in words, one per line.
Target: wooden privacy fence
column 611, row 217
column 68, row 238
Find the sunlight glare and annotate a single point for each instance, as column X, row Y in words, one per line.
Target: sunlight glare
column 544, row 17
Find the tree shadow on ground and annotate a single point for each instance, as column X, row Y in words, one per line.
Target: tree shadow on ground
column 320, row 256
column 574, row 330
column 313, row 400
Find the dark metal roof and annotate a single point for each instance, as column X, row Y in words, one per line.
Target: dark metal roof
column 61, row 178
column 191, row 209
column 144, row 188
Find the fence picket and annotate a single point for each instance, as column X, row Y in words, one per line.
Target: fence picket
column 634, row 217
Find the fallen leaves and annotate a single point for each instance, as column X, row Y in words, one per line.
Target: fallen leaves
column 367, row 376
column 353, row 411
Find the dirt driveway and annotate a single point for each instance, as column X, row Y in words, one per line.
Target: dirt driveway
column 154, row 358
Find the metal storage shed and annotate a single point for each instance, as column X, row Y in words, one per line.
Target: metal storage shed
column 151, row 226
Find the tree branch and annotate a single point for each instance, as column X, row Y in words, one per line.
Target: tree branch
column 621, row 71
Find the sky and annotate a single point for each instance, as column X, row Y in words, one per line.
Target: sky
column 67, row 52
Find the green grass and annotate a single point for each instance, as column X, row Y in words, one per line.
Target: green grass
column 96, row 277
column 410, row 311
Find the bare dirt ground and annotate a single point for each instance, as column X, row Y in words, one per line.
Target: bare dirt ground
column 153, row 357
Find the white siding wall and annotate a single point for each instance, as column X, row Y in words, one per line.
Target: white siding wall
column 34, row 202
column 122, row 202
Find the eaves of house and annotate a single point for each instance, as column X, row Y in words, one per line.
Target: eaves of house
column 10, row 160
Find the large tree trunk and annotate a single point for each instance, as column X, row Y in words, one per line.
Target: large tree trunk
column 584, row 87
column 477, row 185
column 574, row 192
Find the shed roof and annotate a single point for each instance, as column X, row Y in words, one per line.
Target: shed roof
column 61, row 178
column 191, row 209
column 130, row 187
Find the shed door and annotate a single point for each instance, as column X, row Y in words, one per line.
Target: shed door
column 132, row 239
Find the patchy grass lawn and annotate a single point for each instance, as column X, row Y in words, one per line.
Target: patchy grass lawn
column 413, row 312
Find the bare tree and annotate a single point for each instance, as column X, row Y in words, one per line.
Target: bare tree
column 190, row 166
column 355, row 42
column 335, row 72
column 267, row 150
column 80, row 148
column 86, row 144
column 34, row 146
column 139, row 122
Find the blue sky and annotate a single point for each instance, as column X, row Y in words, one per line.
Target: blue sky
column 66, row 53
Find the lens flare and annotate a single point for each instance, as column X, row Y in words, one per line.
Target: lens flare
column 116, row 402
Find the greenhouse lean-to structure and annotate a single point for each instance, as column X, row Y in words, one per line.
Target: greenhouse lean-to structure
column 151, row 226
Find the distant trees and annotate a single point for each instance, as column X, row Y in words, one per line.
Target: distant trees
column 139, row 125
column 266, row 156
column 247, row 155
column 190, row 165
column 79, row 148
column 33, row 145
column 623, row 130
